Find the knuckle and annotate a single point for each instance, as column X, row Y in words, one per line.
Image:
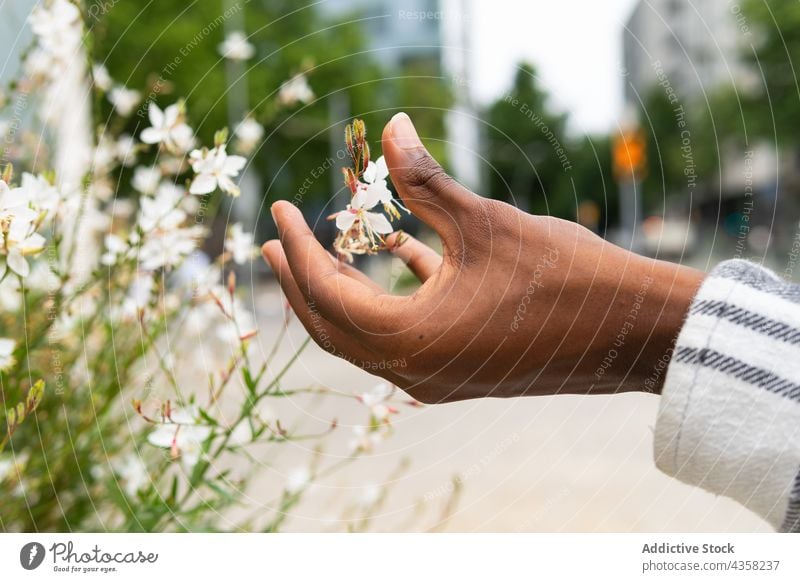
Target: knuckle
column 293, row 238
column 425, row 175
column 493, row 219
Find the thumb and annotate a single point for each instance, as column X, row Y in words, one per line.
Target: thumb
column 427, row 190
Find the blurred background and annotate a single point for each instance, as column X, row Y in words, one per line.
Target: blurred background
column 667, row 126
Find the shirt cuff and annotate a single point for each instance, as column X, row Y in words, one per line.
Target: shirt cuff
column 729, row 416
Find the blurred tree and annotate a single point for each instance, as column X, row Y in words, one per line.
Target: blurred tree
column 665, row 163
column 593, row 181
column 527, row 149
column 774, row 107
column 685, row 141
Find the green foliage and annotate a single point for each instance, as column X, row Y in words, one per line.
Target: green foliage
column 593, row 179
column 536, row 165
column 524, row 166
column 134, row 39
column 774, row 108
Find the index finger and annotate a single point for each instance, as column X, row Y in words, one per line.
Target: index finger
column 343, row 300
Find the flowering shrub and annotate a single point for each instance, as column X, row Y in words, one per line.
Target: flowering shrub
column 108, row 306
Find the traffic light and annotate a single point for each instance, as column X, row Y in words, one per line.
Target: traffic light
column 630, row 156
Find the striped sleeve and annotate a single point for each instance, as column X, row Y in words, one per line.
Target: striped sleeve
column 729, row 417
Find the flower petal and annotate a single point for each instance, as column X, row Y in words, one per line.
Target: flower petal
column 379, row 192
column 162, row 436
column 150, row 135
column 233, row 164
column 156, row 115
column 17, row 263
column 381, row 170
column 378, row 222
column 228, row 185
column 203, row 184
column 345, row 220
column 369, row 172
column 171, row 114
column 32, row 244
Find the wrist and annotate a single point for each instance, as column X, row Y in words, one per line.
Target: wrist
column 670, row 293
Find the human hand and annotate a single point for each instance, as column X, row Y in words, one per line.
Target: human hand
column 515, row 305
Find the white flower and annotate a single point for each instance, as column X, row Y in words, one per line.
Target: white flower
column 381, row 412
column 239, row 244
column 249, row 133
column 7, row 353
column 40, row 193
column 105, row 155
column 379, row 393
column 40, row 63
column 297, row 479
column 168, row 248
column 215, row 168
column 138, row 296
column 126, row 150
column 17, row 229
column 365, row 439
column 377, row 191
column 115, row 248
column 358, row 210
column 57, row 27
column 183, row 435
column 162, row 210
column 124, row 100
column 295, row 90
column 102, row 79
column 236, row 47
column 133, row 472
column 168, row 127
column 376, row 400
column 146, row 180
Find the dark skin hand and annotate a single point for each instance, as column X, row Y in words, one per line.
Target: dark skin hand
column 516, row 304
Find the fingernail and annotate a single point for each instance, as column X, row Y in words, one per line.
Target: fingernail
column 272, row 212
column 403, row 132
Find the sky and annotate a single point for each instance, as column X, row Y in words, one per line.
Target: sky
column 576, row 45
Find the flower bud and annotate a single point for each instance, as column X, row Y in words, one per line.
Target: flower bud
column 8, row 173
column 220, row 137
column 231, row 283
column 365, row 155
column 348, row 139
column 359, row 132
column 35, row 395
column 11, row 420
column 350, row 179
